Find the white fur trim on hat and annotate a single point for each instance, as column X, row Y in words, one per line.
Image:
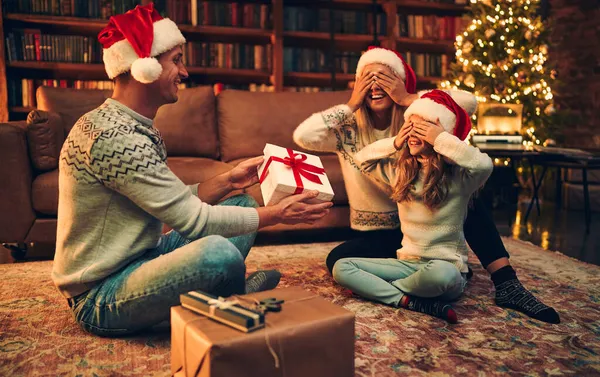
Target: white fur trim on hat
column 463, row 98
column 430, row 110
column 381, row 56
column 120, row 57
column 146, row 70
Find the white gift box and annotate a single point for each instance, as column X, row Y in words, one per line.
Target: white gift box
column 287, row 172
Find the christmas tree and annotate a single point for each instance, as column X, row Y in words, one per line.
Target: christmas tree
column 502, row 57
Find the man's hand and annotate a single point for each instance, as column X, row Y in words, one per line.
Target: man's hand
column 245, row 174
column 394, row 86
column 403, row 134
column 361, row 88
column 294, row 210
column 426, row 130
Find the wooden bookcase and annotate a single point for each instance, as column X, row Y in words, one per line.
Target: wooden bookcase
column 277, row 37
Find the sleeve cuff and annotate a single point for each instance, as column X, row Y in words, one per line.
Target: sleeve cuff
column 194, row 189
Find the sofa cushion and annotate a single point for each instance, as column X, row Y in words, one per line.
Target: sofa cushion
column 189, row 126
column 331, row 164
column 45, row 136
column 248, row 120
column 71, row 104
column 189, row 170
column 44, row 193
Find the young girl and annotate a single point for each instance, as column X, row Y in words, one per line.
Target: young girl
column 433, row 177
column 385, row 86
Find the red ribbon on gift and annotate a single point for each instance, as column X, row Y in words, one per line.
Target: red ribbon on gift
column 299, row 168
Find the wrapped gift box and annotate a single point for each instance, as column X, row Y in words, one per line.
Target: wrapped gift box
column 310, row 336
column 287, row 172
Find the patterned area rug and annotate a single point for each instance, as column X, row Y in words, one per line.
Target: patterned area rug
column 38, row 336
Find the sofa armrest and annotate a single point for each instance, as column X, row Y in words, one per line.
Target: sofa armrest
column 45, row 137
column 16, row 210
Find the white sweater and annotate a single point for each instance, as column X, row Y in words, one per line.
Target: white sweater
column 335, row 130
column 434, row 234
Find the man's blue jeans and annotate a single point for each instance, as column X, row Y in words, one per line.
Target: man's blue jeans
column 141, row 294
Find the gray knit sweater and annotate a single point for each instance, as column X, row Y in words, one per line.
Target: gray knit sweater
column 115, row 193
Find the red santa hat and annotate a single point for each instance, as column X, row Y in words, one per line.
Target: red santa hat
column 392, row 59
column 439, row 104
column 131, row 41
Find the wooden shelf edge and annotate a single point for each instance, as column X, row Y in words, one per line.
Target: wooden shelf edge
column 98, row 69
column 96, row 25
column 432, row 6
column 21, row 109
column 319, row 35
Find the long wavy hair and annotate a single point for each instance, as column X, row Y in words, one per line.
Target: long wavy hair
column 365, row 124
column 438, row 174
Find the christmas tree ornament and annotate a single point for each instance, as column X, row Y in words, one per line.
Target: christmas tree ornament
column 467, row 47
column 469, row 80
column 549, row 110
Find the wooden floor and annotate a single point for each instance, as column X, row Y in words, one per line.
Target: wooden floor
column 555, row 229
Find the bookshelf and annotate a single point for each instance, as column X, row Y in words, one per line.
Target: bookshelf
column 314, row 46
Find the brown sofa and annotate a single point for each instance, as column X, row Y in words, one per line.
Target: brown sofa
column 205, row 135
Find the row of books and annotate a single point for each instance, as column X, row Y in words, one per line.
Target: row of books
column 320, row 20
column 228, row 55
column 296, row 59
column 427, row 64
column 31, row 45
column 429, row 26
column 219, row 13
column 21, row 92
column 76, row 8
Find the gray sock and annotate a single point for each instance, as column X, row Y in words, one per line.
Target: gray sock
column 263, row 280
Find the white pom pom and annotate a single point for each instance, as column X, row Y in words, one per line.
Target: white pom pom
column 146, row 70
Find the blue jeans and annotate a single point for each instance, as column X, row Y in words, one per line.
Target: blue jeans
column 387, row 280
column 141, row 294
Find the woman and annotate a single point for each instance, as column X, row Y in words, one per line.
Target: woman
column 385, row 85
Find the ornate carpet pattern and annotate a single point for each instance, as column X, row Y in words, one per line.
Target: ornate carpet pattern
column 38, row 336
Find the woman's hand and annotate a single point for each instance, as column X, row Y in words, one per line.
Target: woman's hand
column 403, row 135
column 361, row 88
column 426, row 130
column 394, row 86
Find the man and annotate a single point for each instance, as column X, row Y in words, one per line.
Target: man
column 118, row 273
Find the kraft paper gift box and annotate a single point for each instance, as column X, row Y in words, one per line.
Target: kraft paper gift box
column 287, row 172
column 309, row 337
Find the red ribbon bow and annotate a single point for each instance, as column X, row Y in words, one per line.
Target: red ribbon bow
column 299, row 168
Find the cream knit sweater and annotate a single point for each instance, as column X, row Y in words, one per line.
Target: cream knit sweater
column 115, row 193
column 430, row 234
column 335, row 130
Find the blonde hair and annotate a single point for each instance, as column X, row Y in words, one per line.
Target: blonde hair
column 436, row 180
column 365, row 125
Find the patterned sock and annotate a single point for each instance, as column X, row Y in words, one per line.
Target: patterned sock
column 262, row 281
column 511, row 294
column 428, row 306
